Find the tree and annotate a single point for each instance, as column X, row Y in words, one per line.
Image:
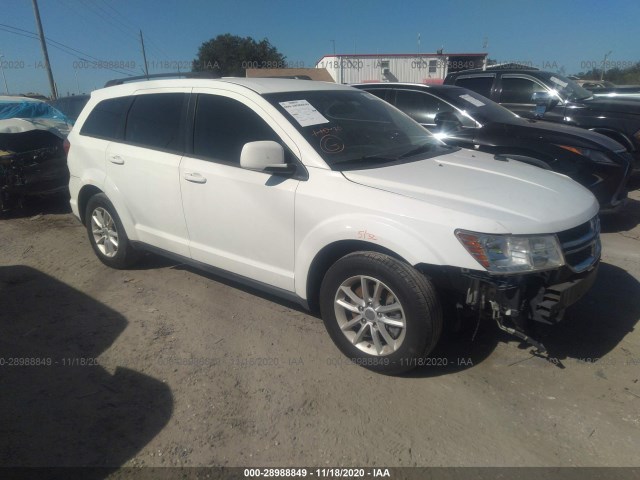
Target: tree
column 620, row 76
column 231, row 55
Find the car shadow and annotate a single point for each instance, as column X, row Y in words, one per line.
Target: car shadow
column 634, row 182
column 601, row 319
column 58, row 406
column 247, row 289
column 54, row 204
column 625, row 219
column 591, row 329
column 152, row 261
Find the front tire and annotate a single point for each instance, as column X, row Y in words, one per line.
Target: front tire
column 380, row 312
column 106, row 234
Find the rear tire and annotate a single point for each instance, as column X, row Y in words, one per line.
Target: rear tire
column 106, row 234
column 380, row 312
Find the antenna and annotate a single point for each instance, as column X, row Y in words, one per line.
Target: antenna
column 144, row 55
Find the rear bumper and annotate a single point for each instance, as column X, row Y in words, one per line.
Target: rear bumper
column 74, row 190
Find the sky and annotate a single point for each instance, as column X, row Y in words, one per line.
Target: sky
column 552, row 35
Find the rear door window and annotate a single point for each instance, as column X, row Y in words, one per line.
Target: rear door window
column 379, row 92
column 481, row 85
column 156, row 121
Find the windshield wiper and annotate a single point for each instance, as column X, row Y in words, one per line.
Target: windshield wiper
column 415, row 151
column 368, row 158
column 363, row 161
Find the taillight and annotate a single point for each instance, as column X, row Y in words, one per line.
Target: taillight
column 66, row 146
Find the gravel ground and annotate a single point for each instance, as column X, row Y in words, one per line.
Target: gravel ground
column 164, row 365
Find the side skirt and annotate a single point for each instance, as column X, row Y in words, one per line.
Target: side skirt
column 233, row 277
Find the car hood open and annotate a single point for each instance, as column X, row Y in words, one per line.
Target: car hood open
column 522, row 198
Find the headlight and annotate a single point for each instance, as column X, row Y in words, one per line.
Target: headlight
column 512, row 253
column 594, row 155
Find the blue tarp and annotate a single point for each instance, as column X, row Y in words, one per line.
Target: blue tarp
column 30, row 110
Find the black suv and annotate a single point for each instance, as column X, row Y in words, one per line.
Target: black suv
column 70, row 106
column 535, row 93
column 463, row 118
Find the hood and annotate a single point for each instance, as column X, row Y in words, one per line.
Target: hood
column 20, row 125
column 560, row 134
column 628, row 105
column 522, row 198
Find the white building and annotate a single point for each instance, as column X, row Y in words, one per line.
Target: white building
column 398, row 67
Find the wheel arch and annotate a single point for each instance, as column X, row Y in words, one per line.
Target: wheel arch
column 86, row 192
column 617, row 136
column 331, row 253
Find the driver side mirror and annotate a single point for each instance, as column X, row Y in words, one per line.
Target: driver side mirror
column 447, row 122
column 544, row 101
column 265, row 156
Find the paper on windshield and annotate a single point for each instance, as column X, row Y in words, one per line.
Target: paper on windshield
column 471, row 100
column 557, row 81
column 305, row 113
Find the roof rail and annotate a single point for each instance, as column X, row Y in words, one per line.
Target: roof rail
column 120, row 81
column 512, row 66
column 291, row 77
column 500, row 66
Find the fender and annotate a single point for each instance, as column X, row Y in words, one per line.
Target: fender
column 374, row 230
column 617, row 136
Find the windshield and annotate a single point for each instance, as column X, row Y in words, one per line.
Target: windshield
column 476, row 106
column 354, row 130
column 567, row 88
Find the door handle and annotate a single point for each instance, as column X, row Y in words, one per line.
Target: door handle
column 194, row 177
column 117, row 159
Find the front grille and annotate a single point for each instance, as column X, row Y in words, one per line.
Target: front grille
column 581, row 245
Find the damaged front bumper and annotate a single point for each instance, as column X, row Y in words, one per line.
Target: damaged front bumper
column 516, row 301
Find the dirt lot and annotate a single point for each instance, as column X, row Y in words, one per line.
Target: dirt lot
column 164, row 366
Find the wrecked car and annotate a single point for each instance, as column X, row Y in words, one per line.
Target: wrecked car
column 32, row 156
column 328, row 196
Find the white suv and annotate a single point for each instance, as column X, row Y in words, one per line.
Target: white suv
column 326, row 195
